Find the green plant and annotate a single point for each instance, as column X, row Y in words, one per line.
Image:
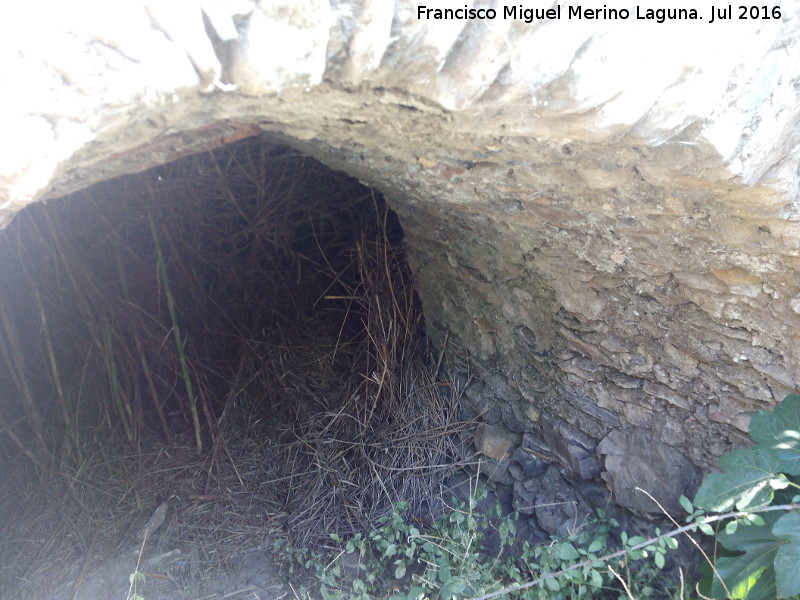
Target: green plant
column 758, row 559
column 400, row 560
column 137, row 579
column 760, row 546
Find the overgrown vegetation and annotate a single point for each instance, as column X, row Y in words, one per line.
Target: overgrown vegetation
column 402, row 560
column 237, row 331
column 759, row 552
column 757, row 558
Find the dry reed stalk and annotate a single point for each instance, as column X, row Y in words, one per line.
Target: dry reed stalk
column 154, row 396
column 15, row 357
column 60, row 397
column 119, row 398
column 298, row 337
column 179, row 340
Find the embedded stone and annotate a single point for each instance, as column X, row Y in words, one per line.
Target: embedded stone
column 513, row 418
column 574, row 450
column 495, row 443
column 735, row 276
column 496, row 470
column 524, row 498
column 532, row 465
column 637, row 460
column 532, row 413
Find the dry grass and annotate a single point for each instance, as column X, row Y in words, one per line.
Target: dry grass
column 237, row 332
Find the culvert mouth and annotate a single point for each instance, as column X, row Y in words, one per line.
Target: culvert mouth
column 233, row 339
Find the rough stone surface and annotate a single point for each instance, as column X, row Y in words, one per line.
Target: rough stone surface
column 531, row 465
column 574, row 450
column 559, row 509
column 638, row 460
column 607, row 230
column 494, row 442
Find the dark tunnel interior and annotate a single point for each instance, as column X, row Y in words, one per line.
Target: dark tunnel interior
column 235, row 334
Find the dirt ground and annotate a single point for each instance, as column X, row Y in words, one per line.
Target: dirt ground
column 81, row 534
column 179, row 576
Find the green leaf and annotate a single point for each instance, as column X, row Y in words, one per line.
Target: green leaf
column 553, row 584
column 671, row 543
column 637, row 539
column 566, row 551
column 686, row 504
column 750, row 575
column 400, row 571
column 779, row 430
column 705, row 528
column 787, row 559
column 596, row 546
column 747, row 481
column 443, row 574
column 596, row 579
column 415, row 592
column 452, row 588
column 743, row 580
column 659, row 560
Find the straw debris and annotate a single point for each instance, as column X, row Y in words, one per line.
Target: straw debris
column 235, row 335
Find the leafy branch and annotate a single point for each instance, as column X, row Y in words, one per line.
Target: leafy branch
column 648, row 545
column 753, row 481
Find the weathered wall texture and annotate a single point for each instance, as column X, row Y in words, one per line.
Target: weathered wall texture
column 603, row 215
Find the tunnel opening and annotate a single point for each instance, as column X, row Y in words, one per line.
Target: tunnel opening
column 233, row 339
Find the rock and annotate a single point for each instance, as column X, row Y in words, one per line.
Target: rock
column 668, row 394
column 528, row 530
column 515, row 470
column 496, row 471
column 532, row 465
column 475, row 392
column 513, row 418
column 735, row 276
column 491, row 414
column 494, row 442
column 535, row 444
column 553, row 505
column 497, row 385
column 595, row 495
column 740, row 420
column 637, row 459
column 480, row 402
column 531, row 412
column 574, row 450
column 524, row 498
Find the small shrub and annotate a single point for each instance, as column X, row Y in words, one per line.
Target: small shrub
column 759, row 530
column 402, row 561
column 755, row 521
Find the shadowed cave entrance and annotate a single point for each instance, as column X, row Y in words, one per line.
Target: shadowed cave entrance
column 235, row 334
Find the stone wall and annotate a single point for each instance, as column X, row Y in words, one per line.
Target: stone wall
column 608, row 230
